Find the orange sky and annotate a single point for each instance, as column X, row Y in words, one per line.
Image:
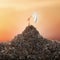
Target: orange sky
column 14, row 14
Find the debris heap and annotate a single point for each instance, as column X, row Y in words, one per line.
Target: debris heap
column 30, row 45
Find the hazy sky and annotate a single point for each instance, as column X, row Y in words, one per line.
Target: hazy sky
column 14, row 14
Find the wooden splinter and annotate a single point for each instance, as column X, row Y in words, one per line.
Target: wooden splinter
column 29, row 21
column 35, row 18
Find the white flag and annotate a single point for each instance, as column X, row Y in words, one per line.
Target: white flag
column 35, row 16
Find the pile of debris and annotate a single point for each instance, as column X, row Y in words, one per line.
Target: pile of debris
column 30, row 45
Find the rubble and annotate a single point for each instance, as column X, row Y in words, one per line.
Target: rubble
column 30, row 45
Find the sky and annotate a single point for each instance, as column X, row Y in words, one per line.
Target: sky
column 14, row 15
